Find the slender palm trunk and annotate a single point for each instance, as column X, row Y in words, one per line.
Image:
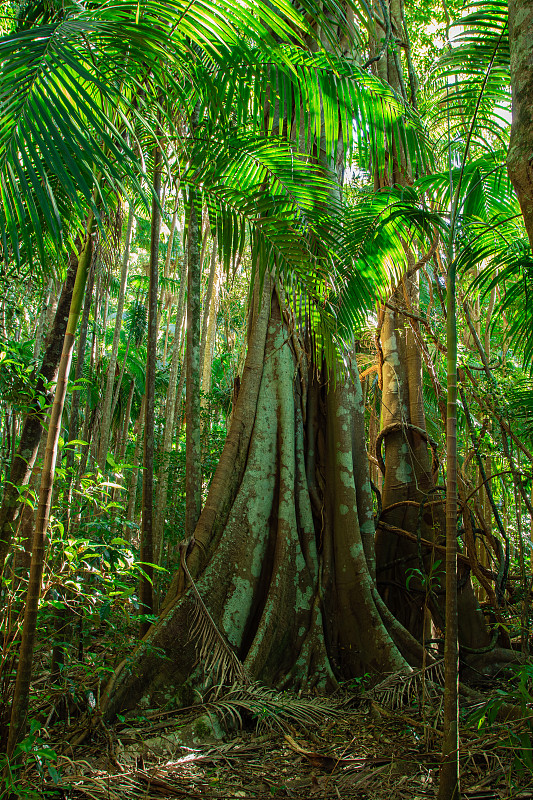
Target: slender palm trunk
column 449, row 774
column 24, row 670
column 193, row 481
column 123, row 440
column 73, row 424
column 166, row 272
column 166, row 445
column 207, row 360
column 207, row 347
column 39, row 331
column 182, row 316
column 120, row 378
column 132, row 486
column 208, row 303
column 105, row 426
column 104, row 286
column 146, row 600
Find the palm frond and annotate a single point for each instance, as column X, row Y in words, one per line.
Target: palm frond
column 314, row 99
column 399, row 689
column 55, row 122
column 72, row 86
column 479, row 38
column 272, row 710
column 511, row 270
column 215, row 655
column 486, row 191
column 520, row 406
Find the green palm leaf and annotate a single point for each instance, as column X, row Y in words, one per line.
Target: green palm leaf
column 70, row 86
column 479, row 37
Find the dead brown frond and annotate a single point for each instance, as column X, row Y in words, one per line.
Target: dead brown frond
column 272, row 710
column 214, row 653
column 399, row 689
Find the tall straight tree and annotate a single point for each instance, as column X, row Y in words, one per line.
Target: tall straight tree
column 193, row 485
column 23, row 462
column 24, row 669
column 146, row 597
column 105, row 425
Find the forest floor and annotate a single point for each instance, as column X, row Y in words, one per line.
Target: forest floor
column 367, row 753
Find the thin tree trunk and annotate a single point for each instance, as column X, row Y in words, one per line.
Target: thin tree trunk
column 24, row 670
column 166, row 271
column 105, row 425
column 41, row 321
column 169, row 302
column 208, row 303
column 123, row 441
column 132, row 488
column 55, row 298
column 73, row 424
column 166, row 445
column 33, row 423
column 120, row 377
column 146, row 599
column 104, row 286
column 209, row 333
column 182, row 315
column 207, row 360
column 449, row 772
column 22, row 558
column 193, row 457
column 14, row 427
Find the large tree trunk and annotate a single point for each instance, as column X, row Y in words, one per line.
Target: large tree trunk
column 278, row 555
column 410, row 500
column 519, row 161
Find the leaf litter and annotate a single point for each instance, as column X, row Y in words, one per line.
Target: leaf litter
column 353, row 750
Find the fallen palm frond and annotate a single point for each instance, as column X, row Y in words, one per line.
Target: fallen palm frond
column 214, row 653
column 399, row 689
column 272, row 710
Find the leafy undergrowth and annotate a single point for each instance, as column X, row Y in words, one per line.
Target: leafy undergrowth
column 366, row 752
